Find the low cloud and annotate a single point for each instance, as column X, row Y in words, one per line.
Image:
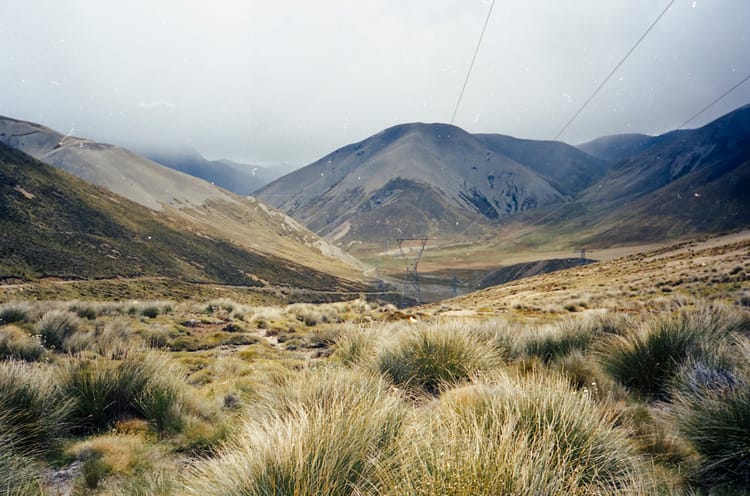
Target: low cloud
column 154, row 104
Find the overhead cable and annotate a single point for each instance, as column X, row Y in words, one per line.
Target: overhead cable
column 612, row 73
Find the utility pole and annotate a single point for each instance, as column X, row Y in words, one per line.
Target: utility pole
column 411, row 274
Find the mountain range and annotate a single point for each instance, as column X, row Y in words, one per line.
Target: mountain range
column 410, row 180
column 429, row 180
column 437, row 180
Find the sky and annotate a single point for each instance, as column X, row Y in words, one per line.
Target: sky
column 267, row 82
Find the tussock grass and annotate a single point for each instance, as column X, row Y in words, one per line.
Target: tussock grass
column 553, row 341
column 32, row 406
column 530, row 435
column 328, row 446
column 144, row 384
column 647, row 360
column 355, row 346
column 711, row 407
column 587, row 376
column 18, row 472
column 312, row 315
column 56, row 326
column 159, row 483
column 716, row 421
column 430, row 358
column 17, row 344
column 120, row 454
column 15, row 311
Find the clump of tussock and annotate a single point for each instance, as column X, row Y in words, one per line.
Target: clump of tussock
column 648, row 359
column 33, row 408
column 85, row 309
column 144, row 384
column 332, row 445
column 18, row 471
column 715, row 418
column 221, row 305
column 530, row 435
column 429, row 358
column 587, row 376
column 312, row 315
column 159, row 483
column 55, row 326
column 149, row 309
column 356, row 346
column 553, row 341
column 15, row 311
column 17, row 344
column 115, row 338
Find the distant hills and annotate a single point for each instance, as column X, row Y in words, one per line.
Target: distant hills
column 242, row 179
column 680, row 183
column 429, row 179
column 188, row 204
column 437, row 180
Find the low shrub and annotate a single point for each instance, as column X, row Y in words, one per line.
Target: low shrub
column 431, row 357
column 55, row 326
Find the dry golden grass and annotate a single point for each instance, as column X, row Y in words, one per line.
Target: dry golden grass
column 506, row 391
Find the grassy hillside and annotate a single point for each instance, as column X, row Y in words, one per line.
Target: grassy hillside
column 55, row 225
column 639, row 387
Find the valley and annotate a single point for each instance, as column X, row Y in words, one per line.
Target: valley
column 169, row 337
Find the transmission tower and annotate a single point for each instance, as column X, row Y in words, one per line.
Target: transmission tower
column 455, row 283
column 411, row 274
column 583, row 251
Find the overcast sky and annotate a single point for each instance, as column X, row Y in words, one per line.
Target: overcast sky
column 290, row 81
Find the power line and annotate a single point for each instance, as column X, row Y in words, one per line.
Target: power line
column 612, row 73
column 473, row 59
column 715, row 101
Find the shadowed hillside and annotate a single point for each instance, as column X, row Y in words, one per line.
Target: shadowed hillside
column 55, row 225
